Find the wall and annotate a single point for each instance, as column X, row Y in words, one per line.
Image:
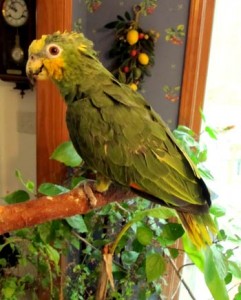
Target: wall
column 17, row 137
column 169, row 57
column 17, row 116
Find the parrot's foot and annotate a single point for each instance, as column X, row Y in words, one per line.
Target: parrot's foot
column 90, row 195
column 102, row 183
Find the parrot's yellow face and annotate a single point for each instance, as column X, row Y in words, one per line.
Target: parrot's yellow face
column 57, row 56
column 45, row 60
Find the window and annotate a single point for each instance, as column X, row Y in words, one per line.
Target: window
column 222, row 108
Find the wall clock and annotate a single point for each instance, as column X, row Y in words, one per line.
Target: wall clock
column 17, row 30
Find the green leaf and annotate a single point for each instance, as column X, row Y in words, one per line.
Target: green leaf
column 157, row 212
column 172, row 231
column 204, row 172
column 196, row 256
column 18, row 174
column 184, row 129
column 30, row 186
column 180, row 27
column 144, row 235
column 215, row 272
column 174, row 252
column 9, row 290
column 166, row 88
column 75, row 181
column 211, row 132
column 50, row 189
column 235, row 268
column 127, row 15
column 17, row 197
column 229, row 253
column 129, row 257
column 120, row 18
column 77, row 222
column 66, row 154
column 222, row 236
column 137, row 246
column 111, row 25
column 44, row 232
column 53, row 254
column 3, row 262
column 237, row 296
column 202, row 115
column 202, row 155
column 122, row 77
column 228, row 278
column 211, row 262
column 155, row 266
column 217, row 210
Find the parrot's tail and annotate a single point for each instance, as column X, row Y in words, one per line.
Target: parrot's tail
column 199, row 228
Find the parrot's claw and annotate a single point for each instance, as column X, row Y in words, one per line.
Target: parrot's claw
column 90, row 195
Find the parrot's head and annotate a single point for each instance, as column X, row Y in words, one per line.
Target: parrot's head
column 56, row 56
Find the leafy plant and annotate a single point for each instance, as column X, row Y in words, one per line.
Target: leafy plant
column 147, row 6
column 133, row 48
column 141, row 236
column 175, row 35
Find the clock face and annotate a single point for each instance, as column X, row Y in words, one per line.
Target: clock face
column 15, row 12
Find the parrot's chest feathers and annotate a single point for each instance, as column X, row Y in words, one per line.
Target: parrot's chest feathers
column 88, row 131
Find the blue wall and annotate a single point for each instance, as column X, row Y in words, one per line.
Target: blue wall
column 169, row 57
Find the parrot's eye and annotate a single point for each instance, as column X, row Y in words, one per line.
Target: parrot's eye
column 53, row 50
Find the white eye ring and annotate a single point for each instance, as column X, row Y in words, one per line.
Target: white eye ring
column 53, row 51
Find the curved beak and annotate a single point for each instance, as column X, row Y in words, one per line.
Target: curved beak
column 35, row 69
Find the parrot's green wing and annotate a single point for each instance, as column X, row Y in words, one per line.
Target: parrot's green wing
column 131, row 137
column 132, row 146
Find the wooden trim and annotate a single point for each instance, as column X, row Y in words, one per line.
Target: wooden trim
column 171, row 288
column 51, row 129
column 196, row 62
column 52, row 16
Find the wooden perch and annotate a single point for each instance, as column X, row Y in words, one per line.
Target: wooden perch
column 46, row 208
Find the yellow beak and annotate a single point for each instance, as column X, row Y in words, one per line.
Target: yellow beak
column 35, row 68
column 44, row 68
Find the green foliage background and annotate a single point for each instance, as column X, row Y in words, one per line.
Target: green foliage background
column 145, row 240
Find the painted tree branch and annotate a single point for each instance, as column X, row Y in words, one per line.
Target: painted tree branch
column 43, row 209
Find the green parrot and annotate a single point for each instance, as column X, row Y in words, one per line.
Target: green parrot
column 118, row 134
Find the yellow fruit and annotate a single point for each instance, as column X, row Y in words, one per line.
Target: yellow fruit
column 133, row 86
column 132, row 37
column 143, row 58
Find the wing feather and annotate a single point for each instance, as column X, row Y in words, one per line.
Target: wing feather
column 131, row 144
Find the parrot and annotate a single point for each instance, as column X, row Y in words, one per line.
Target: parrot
column 119, row 135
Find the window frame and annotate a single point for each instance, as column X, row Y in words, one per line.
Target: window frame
column 200, row 22
column 196, row 62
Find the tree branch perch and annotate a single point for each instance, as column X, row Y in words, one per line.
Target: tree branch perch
column 46, row 208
